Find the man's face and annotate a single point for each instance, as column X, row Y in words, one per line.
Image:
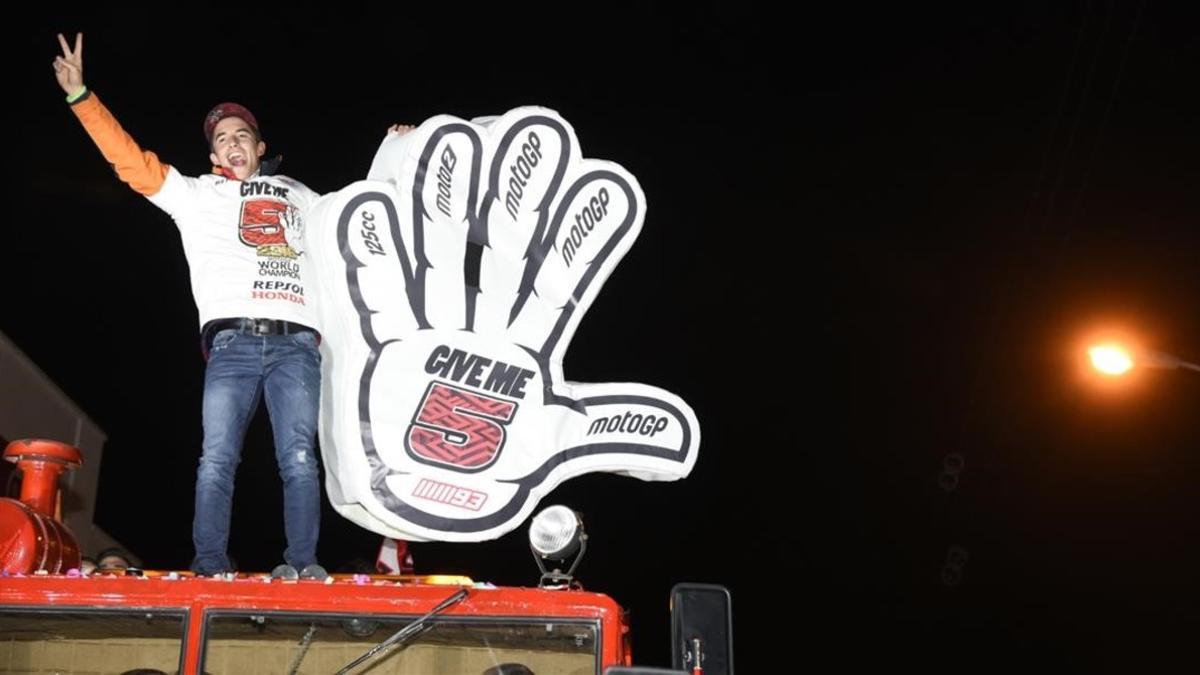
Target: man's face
column 236, row 147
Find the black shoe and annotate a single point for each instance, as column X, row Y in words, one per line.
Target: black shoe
column 211, row 574
column 285, row 572
column 314, row 571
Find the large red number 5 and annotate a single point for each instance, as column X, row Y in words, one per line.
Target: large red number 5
column 260, row 224
column 458, row 429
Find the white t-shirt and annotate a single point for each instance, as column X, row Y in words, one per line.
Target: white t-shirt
column 244, row 244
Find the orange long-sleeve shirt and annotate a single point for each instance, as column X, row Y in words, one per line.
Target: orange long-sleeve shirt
column 140, row 169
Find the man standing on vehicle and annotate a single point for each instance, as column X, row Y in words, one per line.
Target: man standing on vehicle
column 242, row 230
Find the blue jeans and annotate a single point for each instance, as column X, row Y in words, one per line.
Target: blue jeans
column 241, row 368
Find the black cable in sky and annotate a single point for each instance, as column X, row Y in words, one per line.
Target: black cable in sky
column 1087, row 171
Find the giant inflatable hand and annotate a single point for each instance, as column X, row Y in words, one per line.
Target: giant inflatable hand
column 451, row 282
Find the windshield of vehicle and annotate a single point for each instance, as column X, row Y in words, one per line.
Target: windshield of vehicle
column 71, row 641
column 257, row 644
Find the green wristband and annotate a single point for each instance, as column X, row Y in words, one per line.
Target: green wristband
column 77, row 95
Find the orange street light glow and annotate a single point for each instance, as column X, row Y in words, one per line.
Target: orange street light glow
column 1110, row 359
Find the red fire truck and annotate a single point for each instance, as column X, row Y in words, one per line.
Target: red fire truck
column 55, row 619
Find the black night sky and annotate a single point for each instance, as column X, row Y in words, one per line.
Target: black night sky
column 875, row 245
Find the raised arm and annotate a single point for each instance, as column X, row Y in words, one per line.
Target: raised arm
column 141, row 170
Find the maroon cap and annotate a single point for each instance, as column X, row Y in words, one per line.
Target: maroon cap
column 224, row 110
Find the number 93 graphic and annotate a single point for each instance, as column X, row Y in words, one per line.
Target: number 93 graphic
column 450, row 284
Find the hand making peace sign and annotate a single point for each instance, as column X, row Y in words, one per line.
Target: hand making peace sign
column 68, row 68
